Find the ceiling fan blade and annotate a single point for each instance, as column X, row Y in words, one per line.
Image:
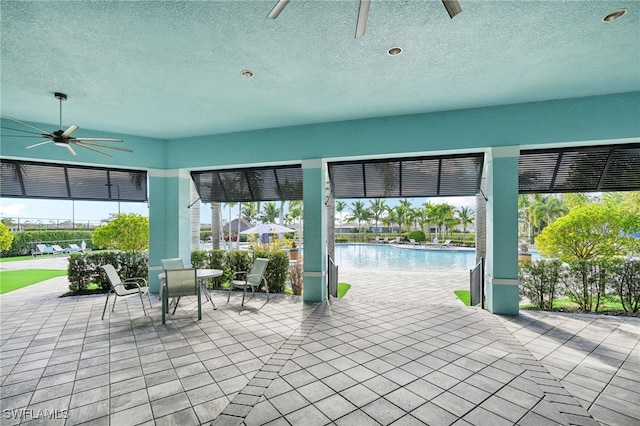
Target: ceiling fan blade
column 363, row 14
column 71, row 151
column 37, row 144
column 279, row 7
column 99, row 139
column 85, row 143
column 28, row 125
column 70, row 130
column 94, row 149
column 23, row 131
column 452, row 6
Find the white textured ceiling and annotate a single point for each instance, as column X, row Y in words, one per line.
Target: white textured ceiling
column 172, row 69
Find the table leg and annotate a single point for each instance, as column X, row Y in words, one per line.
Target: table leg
column 207, row 293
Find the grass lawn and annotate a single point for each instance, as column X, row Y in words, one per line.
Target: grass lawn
column 342, row 289
column 13, row 259
column 13, row 280
column 607, row 304
column 463, row 295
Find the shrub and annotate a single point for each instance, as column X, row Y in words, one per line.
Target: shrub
column 417, row 235
column 214, row 259
column 539, row 281
column 585, row 282
column 84, row 268
column 296, row 277
column 277, row 269
column 625, row 279
column 238, row 260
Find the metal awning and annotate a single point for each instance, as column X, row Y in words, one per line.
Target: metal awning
column 583, row 169
column 434, row 176
column 252, row 184
column 23, row 179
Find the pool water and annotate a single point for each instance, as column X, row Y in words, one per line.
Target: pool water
column 386, row 257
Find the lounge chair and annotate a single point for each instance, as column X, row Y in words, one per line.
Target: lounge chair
column 386, row 240
column 252, row 279
column 73, row 248
column 41, row 249
column 377, row 240
column 414, row 242
column 58, row 250
column 178, row 283
column 137, row 285
column 446, row 243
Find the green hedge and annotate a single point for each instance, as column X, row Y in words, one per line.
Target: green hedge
column 84, row 268
column 232, row 261
column 24, row 241
column 587, row 283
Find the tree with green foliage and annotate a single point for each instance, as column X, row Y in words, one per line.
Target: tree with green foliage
column 270, row 213
column 127, row 232
column 6, row 237
column 359, row 214
column 589, row 231
column 340, row 207
column 466, row 216
column 376, row 209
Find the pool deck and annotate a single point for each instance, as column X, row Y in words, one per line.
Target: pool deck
column 399, row 349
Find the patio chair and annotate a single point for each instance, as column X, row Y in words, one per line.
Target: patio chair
column 377, row 240
column 128, row 287
column 252, row 279
column 446, row 243
column 178, row 283
column 385, row 241
column 172, row 263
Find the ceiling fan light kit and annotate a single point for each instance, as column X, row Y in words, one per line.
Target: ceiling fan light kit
column 63, row 138
column 452, row 6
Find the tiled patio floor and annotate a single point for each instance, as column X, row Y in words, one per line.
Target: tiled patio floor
column 381, row 356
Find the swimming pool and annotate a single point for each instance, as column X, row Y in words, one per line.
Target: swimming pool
column 386, row 257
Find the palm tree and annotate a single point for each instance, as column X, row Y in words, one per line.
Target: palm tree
column 465, row 214
column 340, row 206
column 545, row 209
column 359, row 213
column 230, row 206
column 420, row 217
column 409, row 215
column 429, row 216
column 215, row 226
column 376, row 209
column 391, row 218
column 270, row 213
column 249, row 212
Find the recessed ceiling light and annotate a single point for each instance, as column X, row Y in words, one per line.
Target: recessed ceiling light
column 394, row 51
column 246, row 73
column 615, row 15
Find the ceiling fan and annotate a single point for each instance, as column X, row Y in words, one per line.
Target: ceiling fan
column 63, row 138
column 452, row 6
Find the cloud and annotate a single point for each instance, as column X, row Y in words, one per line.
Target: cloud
column 12, row 209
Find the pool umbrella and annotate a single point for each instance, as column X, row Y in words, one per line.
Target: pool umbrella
column 268, row 228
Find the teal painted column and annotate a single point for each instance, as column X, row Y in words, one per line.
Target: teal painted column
column 314, row 191
column 501, row 284
column 169, row 220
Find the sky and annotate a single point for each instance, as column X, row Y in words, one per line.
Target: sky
column 95, row 211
